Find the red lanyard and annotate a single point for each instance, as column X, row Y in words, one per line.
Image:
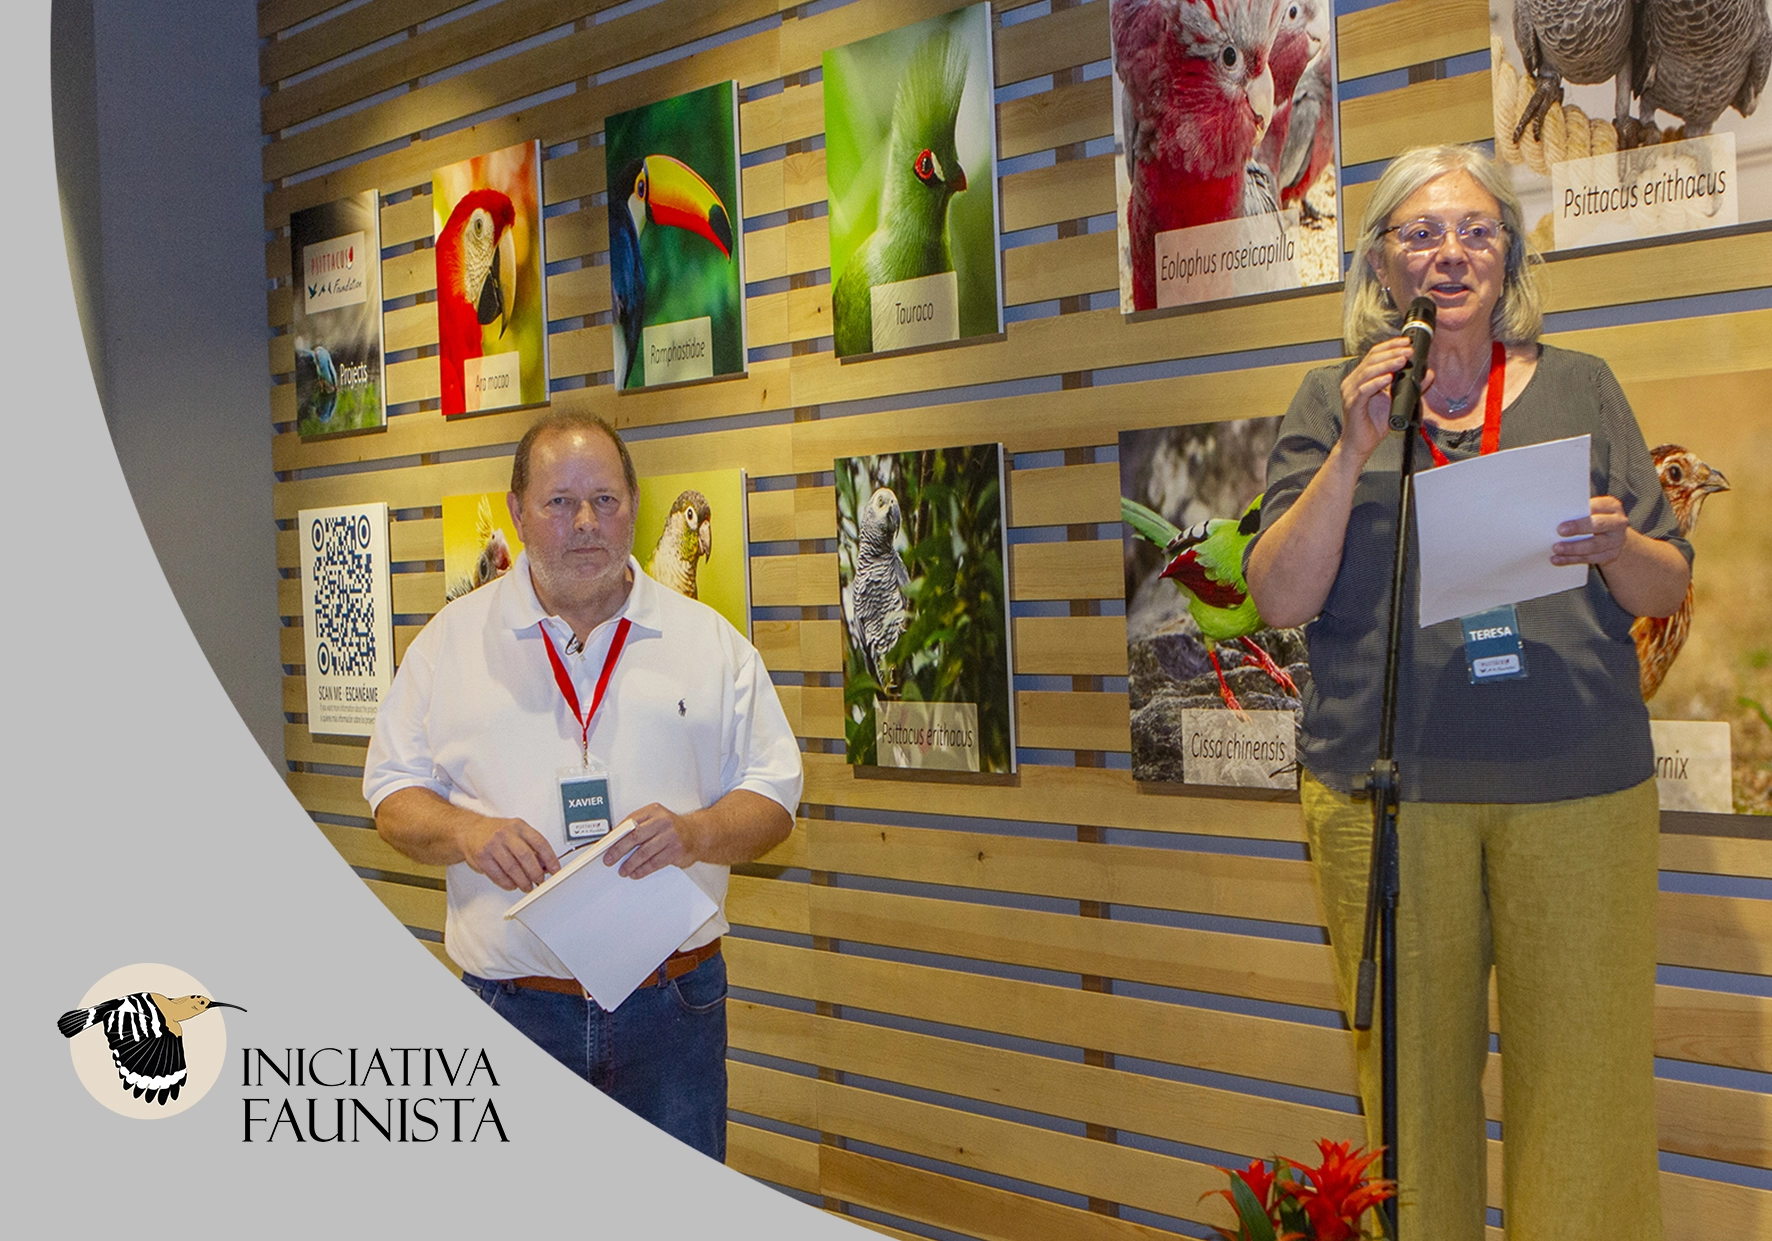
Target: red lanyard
column 571, row 695
column 1491, row 409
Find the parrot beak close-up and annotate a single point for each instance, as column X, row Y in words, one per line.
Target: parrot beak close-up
column 706, row 539
column 1260, row 93
column 499, row 294
column 676, row 195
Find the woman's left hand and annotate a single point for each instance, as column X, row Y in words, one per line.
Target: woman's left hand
column 1607, row 524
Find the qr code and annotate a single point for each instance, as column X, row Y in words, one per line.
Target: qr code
column 344, row 598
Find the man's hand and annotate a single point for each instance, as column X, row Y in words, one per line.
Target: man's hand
column 660, row 838
column 507, row 851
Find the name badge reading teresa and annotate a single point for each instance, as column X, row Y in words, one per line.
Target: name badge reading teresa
column 1492, row 647
column 584, row 803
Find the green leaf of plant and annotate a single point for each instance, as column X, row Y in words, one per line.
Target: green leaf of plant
column 1256, row 1224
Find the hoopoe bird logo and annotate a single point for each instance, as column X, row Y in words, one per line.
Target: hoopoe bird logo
column 146, row 1038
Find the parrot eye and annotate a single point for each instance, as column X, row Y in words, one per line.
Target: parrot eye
column 1673, row 474
column 689, row 516
column 927, row 171
column 1229, row 56
column 1292, row 13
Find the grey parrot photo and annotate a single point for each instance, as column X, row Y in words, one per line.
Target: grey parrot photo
column 875, row 605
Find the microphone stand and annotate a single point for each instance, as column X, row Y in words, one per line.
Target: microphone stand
column 1382, row 786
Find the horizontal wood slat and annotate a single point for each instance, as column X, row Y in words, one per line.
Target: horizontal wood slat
column 1408, row 32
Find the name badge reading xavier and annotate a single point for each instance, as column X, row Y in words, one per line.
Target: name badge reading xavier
column 584, row 802
column 1492, row 647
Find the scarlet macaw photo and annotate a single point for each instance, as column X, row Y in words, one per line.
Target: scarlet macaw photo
column 492, row 331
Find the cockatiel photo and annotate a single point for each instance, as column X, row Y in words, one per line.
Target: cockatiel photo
column 476, row 285
column 1198, row 95
column 1686, row 481
column 687, row 538
column 923, row 173
column 1693, row 58
column 1582, row 41
column 494, row 557
column 874, row 603
column 1207, row 562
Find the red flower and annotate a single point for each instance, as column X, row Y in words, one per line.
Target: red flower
column 1260, row 1182
column 1339, row 1192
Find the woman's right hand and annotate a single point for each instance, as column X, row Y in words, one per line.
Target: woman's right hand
column 1366, row 397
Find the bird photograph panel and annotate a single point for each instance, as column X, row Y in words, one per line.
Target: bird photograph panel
column 335, row 256
column 676, row 269
column 1190, row 501
column 910, row 155
column 1225, row 131
column 480, row 541
column 492, row 331
column 1711, row 661
column 1626, row 119
column 691, row 535
column 921, row 563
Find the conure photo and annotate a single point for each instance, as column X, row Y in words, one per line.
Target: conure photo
column 1215, row 691
column 922, row 571
column 691, row 534
column 1225, row 136
column 910, row 155
column 335, row 316
column 676, row 262
column 492, row 329
column 1628, row 119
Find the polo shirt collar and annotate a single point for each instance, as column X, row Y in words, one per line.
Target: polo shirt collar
column 520, row 608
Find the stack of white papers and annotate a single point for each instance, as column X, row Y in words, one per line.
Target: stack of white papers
column 611, row 932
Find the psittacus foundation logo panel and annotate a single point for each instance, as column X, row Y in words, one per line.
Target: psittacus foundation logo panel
column 332, row 273
column 159, row 1047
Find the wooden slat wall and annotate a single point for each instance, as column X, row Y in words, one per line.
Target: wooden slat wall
column 1025, row 1008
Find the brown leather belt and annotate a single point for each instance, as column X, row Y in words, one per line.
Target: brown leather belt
column 675, row 966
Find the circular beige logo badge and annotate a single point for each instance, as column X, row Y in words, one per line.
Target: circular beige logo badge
column 145, row 1041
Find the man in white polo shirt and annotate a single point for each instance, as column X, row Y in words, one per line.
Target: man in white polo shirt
column 576, row 661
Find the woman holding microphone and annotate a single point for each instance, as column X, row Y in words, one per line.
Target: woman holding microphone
column 1528, row 829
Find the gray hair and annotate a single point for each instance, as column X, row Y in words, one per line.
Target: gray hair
column 1367, row 313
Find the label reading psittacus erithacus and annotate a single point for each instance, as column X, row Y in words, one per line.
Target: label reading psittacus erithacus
column 938, row 735
column 1233, row 258
column 1674, row 187
column 1692, row 765
column 677, row 352
column 908, row 313
column 1248, row 749
column 492, row 382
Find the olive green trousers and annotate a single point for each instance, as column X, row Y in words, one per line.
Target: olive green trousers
column 1559, row 897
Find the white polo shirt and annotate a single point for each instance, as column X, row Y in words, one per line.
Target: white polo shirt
column 475, row 716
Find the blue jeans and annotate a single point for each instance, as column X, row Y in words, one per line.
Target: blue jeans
column 661, row 1054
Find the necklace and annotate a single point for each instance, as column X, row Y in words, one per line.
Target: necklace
column 1458, row 406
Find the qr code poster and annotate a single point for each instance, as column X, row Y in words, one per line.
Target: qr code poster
column 347, row 616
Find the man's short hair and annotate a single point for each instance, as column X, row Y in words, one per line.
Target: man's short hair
column 561, row 421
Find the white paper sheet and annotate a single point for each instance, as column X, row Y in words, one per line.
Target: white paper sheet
column 609, row 931
column 1485, row 527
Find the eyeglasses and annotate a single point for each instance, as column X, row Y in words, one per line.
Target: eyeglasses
column 1476, row 233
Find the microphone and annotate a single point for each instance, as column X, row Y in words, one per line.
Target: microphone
column 1418, row 326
